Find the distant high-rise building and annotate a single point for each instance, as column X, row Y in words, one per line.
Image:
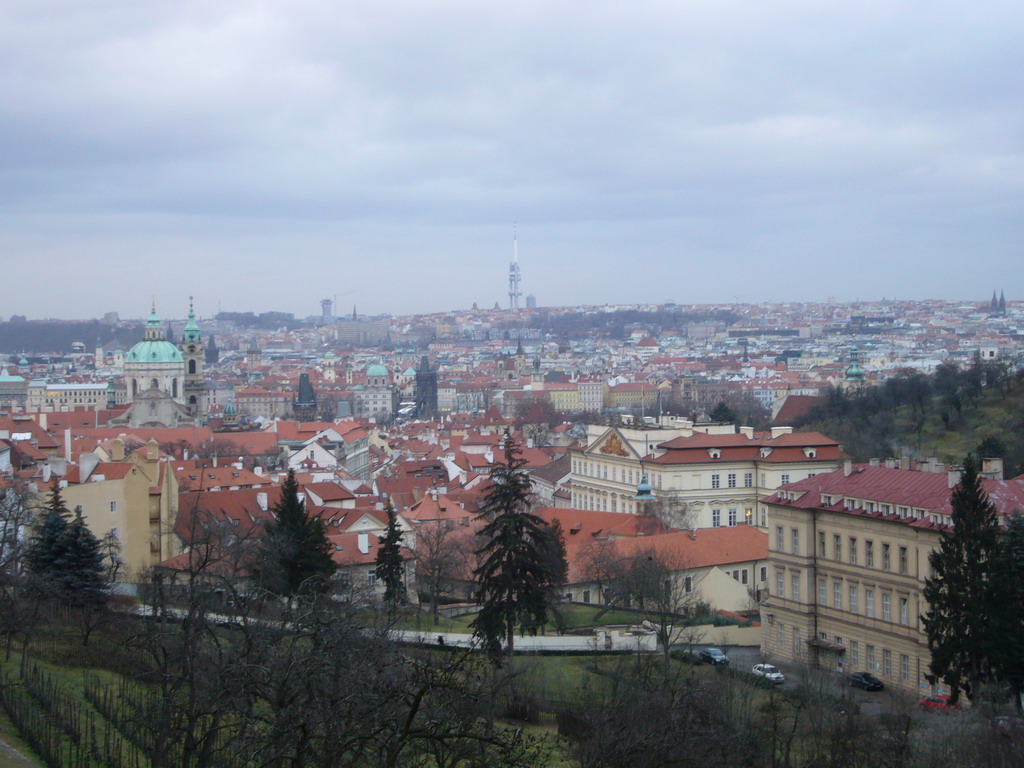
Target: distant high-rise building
column 326, row 311
column 531, row 301
column 514, row 277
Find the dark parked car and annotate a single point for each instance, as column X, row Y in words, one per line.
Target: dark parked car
column 713, row 656
column 867, row 681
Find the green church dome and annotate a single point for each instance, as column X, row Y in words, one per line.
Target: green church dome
column 154, row 348
column 377, row 370
column 154, row 352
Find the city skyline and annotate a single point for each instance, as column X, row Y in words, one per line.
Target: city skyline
column 273, row 156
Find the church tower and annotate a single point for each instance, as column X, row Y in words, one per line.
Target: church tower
column 253, row 356
column 193, row 352
column 426, row 391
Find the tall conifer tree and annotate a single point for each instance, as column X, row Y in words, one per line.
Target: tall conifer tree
column 961, row 593
column 517, row 563
column 390, row 566
column 295, row 555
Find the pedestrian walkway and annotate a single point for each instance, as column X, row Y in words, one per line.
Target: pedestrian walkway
column 12, row 758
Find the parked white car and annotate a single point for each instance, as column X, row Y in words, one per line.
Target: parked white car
column 769, row 672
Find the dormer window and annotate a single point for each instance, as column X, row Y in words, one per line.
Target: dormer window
column 810, row 453
column 766, row 452
column 714, row 453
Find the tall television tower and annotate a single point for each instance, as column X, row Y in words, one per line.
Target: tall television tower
column 513, row 275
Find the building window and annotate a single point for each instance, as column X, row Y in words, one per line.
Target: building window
column 794, row 584
column 887, row 663
column 853, row 598
column 853, row 550
column 837, row 547
column 869, row 553
column 821, row 544
column 795, row 540
column 615, row 504
column 837, row 595
column 904, row 667
column 716, row 481
column 764, row 574
column 732, row 516
column 731, row 479
column 904, row 611
column 886, row 606
column 371, row 576
column 869, row 603
column 748, row 479
column 780, row 582
column 743, row 576
column 688, row 584
column 779, row 540
column 796, row 642
column 586, row 595
column 903, row 560
column 785, row 479
column 716, row 518
column 886, row 558
column 763, row 480
column 113, row 506
column 823, row 591
column 869, row 651
column 780, row 636
column 854, row 654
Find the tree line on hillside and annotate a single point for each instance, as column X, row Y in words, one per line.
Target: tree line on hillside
column 975, row 408
column 56, row 337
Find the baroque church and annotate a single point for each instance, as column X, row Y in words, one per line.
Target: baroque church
column 164, row 382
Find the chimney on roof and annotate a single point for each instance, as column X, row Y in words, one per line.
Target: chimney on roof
column 363, row 540
column 67, row 444
column 848, row 467
column 747, row 432
column 261, row 500
column 992, row 468
column 779, row 431
column 873, row 462
column 117, row 449
column 890, row 463
column 257, row 470
column 953, row 475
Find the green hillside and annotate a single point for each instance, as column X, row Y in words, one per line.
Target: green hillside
column 947, row 414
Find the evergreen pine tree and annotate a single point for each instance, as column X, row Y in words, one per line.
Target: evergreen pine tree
column 295, row 555
column 961, row 593
column 46, row 546
column 83, row 575
column 65, row 558
column 390, row 566
column 1008, row 621
column 516, row 571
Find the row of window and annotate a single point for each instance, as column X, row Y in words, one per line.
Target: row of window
column 852, row 550
column 730, row 480
column 600, row 503
column 879, row 661
column 834, row 597
column 627, row 475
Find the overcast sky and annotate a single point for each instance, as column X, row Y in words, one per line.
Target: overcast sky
column 266, row 155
